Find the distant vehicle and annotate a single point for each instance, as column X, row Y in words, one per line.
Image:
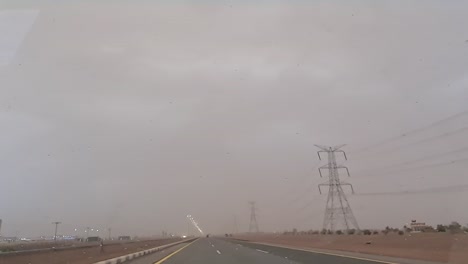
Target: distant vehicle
column 9, row 239
column 208, row 235
column 93, row 239
column 124, row 238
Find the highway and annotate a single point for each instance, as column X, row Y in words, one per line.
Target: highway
column 216, row 250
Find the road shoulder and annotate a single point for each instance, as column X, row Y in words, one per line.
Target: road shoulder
column 354, row 255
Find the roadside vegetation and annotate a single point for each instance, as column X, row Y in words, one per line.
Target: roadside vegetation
column 454, row 228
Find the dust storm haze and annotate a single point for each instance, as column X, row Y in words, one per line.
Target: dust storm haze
column 132, row 115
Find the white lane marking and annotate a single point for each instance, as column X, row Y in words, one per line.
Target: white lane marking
column 212, row 245
column 219, row 253
column 326, row 253
column 239, row 245
column 262, row 251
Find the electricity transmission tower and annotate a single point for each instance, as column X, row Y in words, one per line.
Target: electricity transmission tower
column 56, row 228
column 253, row 226
column 338, row 213
column 235, row 231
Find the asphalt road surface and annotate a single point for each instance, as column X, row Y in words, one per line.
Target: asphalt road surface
column 215, row 250
column 155, row 257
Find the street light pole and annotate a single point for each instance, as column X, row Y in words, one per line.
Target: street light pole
column 87, row 233
column 56, row 227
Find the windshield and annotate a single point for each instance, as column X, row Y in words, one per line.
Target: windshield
column 233, row 131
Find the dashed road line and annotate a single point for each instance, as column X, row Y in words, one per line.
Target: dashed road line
column 217, row 251
column 266, row 252
column 330, row 254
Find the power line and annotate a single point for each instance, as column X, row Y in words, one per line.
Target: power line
column 453, row 188
column 432, row 156
column 411, row 132
column 304, row 177
column 302, row 208
column 428, row 157
column 293, row 190
column 434, row 165
column 446, row 134
column 302, row 194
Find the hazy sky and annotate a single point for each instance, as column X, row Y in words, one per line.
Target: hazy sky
column 133, row 114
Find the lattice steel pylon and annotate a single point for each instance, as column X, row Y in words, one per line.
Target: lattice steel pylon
column 338, row 213
column 253, row 226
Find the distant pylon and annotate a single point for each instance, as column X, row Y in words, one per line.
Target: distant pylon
column 235, row 230
column 338, row 213
column 253, row 226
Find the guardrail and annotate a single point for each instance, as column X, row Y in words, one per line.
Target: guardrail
column 135, row 255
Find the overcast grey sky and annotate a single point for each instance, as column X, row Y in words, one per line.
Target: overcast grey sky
column 132, row 115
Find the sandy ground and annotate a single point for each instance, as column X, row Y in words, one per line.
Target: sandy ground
column 438, row 247
column 33, row 245
column 83, row 255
